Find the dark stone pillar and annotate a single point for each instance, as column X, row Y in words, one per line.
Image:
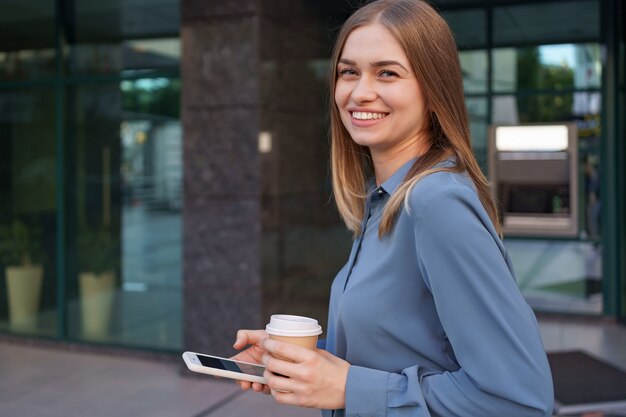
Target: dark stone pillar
column 222, row 229
column 304, row 242
column 260, row 236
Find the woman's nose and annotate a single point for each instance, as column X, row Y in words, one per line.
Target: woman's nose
column 363, row 91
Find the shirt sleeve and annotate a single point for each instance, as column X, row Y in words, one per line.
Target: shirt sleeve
column 503, row 369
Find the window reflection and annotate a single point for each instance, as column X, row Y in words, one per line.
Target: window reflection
column 27, row 212
column 111, row 37
column 547, row 67
column 562, row 275
column 474, row 67
column 538, row 108
column 131, row 55
column 27, row 64
column 27, row 42
column 468, row 26
column 478, row 115
column 558, row 276
column 128, row 195
column 547, row 23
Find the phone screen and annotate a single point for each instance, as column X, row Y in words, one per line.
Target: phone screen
column 228, row 365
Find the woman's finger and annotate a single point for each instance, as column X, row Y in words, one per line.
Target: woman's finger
column 278, row 366
column 280, row 383
column 248, row 337
column 256, row 387
column 284, row 397
column 242, row 339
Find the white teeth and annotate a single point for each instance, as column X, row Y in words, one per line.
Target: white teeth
column 360, row 115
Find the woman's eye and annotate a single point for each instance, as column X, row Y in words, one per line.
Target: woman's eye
column 386, row 74
column 347, row 71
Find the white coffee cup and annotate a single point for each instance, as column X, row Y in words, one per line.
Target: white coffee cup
column 297, row 330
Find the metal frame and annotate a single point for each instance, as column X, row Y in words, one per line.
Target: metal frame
column 620, row 175
column 444, row 5
column 612, row 159
column 60, row 179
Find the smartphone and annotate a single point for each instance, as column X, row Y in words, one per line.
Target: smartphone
column 227, row 368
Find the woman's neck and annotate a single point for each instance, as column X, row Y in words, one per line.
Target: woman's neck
column 383, row 169
column 386, row 163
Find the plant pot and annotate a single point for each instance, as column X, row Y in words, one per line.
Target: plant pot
column 24, row 290
column 97, row 293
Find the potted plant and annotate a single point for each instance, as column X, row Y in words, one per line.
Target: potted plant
column 98, row 260
column 21, row 253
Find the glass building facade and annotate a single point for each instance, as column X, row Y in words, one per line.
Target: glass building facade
column 91, row 160
column 533, row 63
column 164, row 170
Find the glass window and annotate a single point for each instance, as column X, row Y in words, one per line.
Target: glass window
column 589, row 157
column 109, row 37
column 26, row 53
column 539, row 108
column 127, row 200
column 563, row 276
column 478, row 114
column 28, row 211
column 558, row 276
column 474, row 67
column 468, row 26
column 547, row 67
column 546, row 23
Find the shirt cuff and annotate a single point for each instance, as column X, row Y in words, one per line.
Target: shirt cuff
column 366, row 392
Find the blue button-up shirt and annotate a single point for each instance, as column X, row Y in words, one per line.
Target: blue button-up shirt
column 430, row 316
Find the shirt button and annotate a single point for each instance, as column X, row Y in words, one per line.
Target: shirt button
column 380, row 191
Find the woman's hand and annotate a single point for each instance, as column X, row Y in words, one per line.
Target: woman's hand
column 254, row 339
column 313, row 378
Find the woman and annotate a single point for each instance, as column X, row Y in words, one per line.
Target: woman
column 425, row 318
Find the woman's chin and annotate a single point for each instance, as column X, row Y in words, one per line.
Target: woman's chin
column 367, row 141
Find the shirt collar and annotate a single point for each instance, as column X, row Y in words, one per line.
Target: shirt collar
column 391, row 184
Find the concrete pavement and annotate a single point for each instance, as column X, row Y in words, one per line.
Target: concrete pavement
column 58, row 382
column 45, row 382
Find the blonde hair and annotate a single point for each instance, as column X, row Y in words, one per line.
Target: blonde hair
column 431, row 51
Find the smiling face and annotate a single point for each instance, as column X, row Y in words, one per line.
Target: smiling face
column 377, row 94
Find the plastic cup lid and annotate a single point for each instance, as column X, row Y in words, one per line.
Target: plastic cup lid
column 286, row 325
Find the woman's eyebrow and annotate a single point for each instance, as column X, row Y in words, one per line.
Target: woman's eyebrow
column 386, row 63
column 376, row 64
